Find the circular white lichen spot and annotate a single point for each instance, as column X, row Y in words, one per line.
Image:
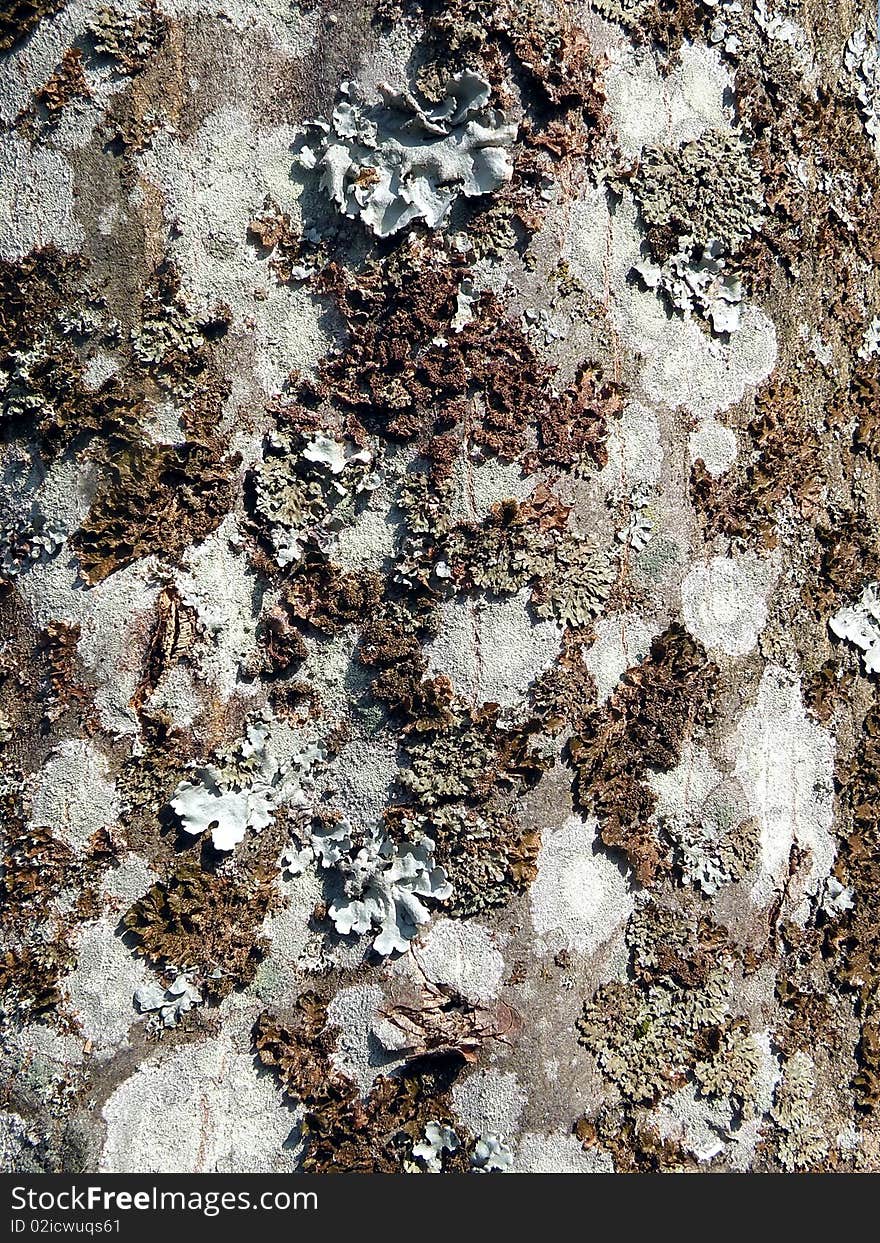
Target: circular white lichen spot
column 489, row 1102
column 580, row 896
column 785, row 764
column 491, row 649
column 101, row 987
column 715, row 445
column 354, row 1011
column 464, row 956
column 198, row 1110
column 723, row 606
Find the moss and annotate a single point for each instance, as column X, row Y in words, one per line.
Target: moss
column 785, row 465
column 642, row 727
column 151, row 498
column 66, row 83
column 129, row 37
column 852, row 943
column 206, row 922
column 322, row 595
column 47, row 310
column 406, row 372
column 37, row 870
column 342, row 1133
column 19, row 17
column 63, row 687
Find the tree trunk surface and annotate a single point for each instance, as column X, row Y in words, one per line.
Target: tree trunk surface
column 440, row 621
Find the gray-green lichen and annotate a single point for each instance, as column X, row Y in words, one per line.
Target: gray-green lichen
column 395, row 162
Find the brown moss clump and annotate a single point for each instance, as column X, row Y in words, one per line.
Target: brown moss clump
column 643, row 726
column 572, row 432
column 785, row 465
column 19, row 17
column 63, row 687
column 153, row 497
column 847, row 556
column 853, row 941
column 322, row 595
column 35, row 869
column 407, row 374
column 35, row 295
column 205, row 921
column 663, row 24
column 858, row 405
column 67, row 82
column 343, row 1133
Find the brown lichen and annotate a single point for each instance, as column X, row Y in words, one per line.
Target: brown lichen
column 344, row 1133
column 19, row 17
column 643, row 726
column 207, row 922
column 153, row 497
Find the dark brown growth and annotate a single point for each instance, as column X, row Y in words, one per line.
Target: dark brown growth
column 643, row 726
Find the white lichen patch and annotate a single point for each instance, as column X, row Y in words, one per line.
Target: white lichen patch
column 477, row 486
column 117, row 625
column 100, row 989
column 180, row 695
column 199, row 1109
column 293, row 946
column 128, row 881
column 73, row 795
column 714, row 445
column 368, row 543
column 361, row 777
column 215, row 580
column 622, row 640
column 559, row 1154
column 580, row 896
column 724, row 603
column 464, row 957
column 36, row 200
column 647, row 107
column 858, row 623
column 785, row 765
column 682, row 364
column 491, row 649
column 283, row 25
column 116, row 618
column 635, row 451
column 489, row 1102
column 395, row 162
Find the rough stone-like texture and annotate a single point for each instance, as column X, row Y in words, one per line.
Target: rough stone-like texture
column 440, row 442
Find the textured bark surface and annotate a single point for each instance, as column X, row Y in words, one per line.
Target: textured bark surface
column 440, row 623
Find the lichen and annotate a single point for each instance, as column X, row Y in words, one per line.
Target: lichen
column 674, row 1021
column 392, row 163
column 243, row 789
column 205, row 925
column 859, row 624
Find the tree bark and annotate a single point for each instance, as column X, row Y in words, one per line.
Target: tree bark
column 440, row 615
